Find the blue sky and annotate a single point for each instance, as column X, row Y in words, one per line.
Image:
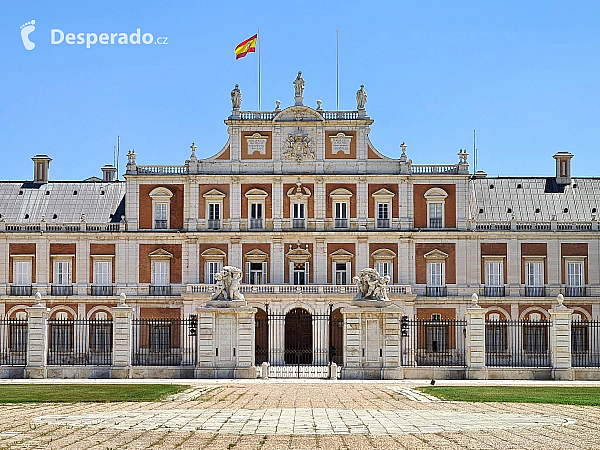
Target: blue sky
column 525, row 75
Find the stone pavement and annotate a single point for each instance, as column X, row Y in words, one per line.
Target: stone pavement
column 274, row 415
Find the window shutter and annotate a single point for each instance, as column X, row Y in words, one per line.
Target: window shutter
column 443, row 274
column 264, row 273
column 333, row 277
column 348, row 272
column 247, row 272
column 306, row 273
column 291, row 272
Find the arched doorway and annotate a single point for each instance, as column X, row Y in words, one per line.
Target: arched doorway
column 337, row 337
column 298, row 337
column 261, row 335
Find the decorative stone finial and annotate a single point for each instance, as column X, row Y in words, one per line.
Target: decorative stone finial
column 361, row 98
column 299, row 89
column 131, row 156
column 277, row 105
column 38, row 299
column 236, row 99
column 371, row 285
column 83, row 218
column 474, row 300
column 122, row 297
column 319, row 103
column 462, row 156
column 228, row 284
column 560, row 299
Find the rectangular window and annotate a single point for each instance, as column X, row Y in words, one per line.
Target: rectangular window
column 495, row 336
column 435, row 215
column 257, row 273
column 435, row 274
column 62, row 336
column 341, row 275
column 22, row 273
column 579, row 337
column 256, row 215
column 212, row 268
column 214, row 216
column 437, row 338
column 62, row 273
column 493, row 273
column 160, row 215
column 299, row 211
column 383, row 215
column 534, row 273
column 384, row 268
column 575, row 273
column 18, row 335
column 341, row 210
column 300, row 275
column 160, row 273
column 298, row 215
column 102, row 273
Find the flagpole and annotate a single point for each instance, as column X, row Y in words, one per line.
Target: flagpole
column 337, row 72
column 258, row 69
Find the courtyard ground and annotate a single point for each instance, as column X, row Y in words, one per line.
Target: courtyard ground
column 303, row 414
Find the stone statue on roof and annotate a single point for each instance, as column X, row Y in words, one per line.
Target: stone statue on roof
column 236, row 98
column 299, row 85
column 361, row 98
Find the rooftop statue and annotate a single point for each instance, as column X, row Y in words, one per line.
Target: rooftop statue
column 228, row 284
column 371, row 285
column 299, row 89
column 236, row 98
column 361, row 98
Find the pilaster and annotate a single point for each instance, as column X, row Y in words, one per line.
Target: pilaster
column 37, row 340
column 560, row 341
column 122, row 329
column 475, row 341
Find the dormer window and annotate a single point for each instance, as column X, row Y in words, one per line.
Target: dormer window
column 161, row 208
column 436, row 200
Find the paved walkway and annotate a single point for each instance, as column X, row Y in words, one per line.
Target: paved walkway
column 299, row 416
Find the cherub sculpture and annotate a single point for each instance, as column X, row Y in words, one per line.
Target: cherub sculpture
column 371, row 285
column 228, row 284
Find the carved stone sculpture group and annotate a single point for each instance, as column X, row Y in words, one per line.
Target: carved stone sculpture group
column 371, row 285
column 228, row 284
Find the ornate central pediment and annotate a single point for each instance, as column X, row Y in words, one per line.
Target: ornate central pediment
column 298, row 114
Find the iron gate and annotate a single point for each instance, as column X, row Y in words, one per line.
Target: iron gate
column 299, row 344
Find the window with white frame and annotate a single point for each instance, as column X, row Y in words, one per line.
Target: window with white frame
column 436, row 276
column 62, row 272
column 341, row 207
column 341, row 273
column 256, row 272
column 384, row 268
column 161, row 206
column 383, row 260
column 214, row 216
column 160, row 272
column 256, row 208
column 300, row 273
column 22, row 272
column 436, row 200
column 494, row 273
column 574, row 273
column 102, row 273
column 341, row 214
column 383, row 207
column 534, row 273
column 298, row 215
column 299, row 265
column 212, row 268
column 298, row 196
column 214, row 209
column 256, row 215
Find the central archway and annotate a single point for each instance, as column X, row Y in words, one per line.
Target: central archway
column 298, row 337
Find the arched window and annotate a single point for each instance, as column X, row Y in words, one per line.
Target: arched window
column 161, row 208
column 436, row 201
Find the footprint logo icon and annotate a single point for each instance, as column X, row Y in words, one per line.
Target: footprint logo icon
column 26, row 30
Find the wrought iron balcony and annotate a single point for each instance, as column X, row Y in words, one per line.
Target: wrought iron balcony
column 213, row 224
column 160, row 224
column 256, row 224
column 61, row 290
column 494, row 291
column 436, row 291
column 298, row 223
column 383, row 223
column 160, row 290
column 22, row 291
column 341, row 223
column 103, row 291
column 575, row 291
column 435, row 222
column 535, row 291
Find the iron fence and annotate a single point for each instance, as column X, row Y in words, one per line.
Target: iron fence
column 13, row 342
column 574, row 291
column 159, row 290
column 585, row 343
column 61, row 290
column 535, row 291
column 517, row 343
column 433, row 342
column 493, row 291
column 80, row 342
column 103, row 291
column 165, row 342
column 436, row 291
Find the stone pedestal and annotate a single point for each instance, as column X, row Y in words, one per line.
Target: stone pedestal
column 372, row 341
column 37, row 341
column 122, row 331
column 475, row 342
column 226, row 341
column 560, row 341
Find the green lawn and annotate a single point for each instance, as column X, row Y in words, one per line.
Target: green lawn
column 38, row 393
column 589, row 396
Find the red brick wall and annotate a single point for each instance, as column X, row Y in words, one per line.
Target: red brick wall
column 330, row 187
column 420, row 204
column 340, row 155
column 421, row 263
column 102, row 249
column 176, row 211
column 269, row 152
column 204, row 188
column 21, row 249
column 268, row 201
column 333, row 247
column 310, row 207
column 145, row 269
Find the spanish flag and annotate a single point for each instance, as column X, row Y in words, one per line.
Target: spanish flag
column 248, row 46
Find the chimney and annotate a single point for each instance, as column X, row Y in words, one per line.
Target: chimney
column 41, row 164
column 109, row 172
column 563, row 167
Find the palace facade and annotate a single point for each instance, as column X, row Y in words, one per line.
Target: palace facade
column 301, row 201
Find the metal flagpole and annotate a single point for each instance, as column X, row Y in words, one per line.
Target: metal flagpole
column 337, row 72
column 258, row 39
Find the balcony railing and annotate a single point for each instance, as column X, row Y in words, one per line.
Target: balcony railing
column 383, row 223
column 61, row 290
column 214, row 224
column 535, row 291
column 436, row 291
column 256, row 224
column 341, row 223
column 22, row 291
column 103, row 291
column 160, row 290
column 435, row 222
column 575, row 291
column 298, row 223
column 160, row 224
column 295, row 289
column 493, row 291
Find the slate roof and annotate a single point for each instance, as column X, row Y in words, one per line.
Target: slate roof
column 496, row 195
column 17, row 199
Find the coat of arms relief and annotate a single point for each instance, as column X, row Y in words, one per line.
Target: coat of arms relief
column 299, row 147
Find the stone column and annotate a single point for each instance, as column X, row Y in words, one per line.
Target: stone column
column 37, row 339
column 553, row 261
column 475, row 342
column 560, row 341
column 122, row 340
column 362, row 255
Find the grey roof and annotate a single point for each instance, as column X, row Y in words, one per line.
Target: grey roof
column 17, row 199
column 579, row 198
